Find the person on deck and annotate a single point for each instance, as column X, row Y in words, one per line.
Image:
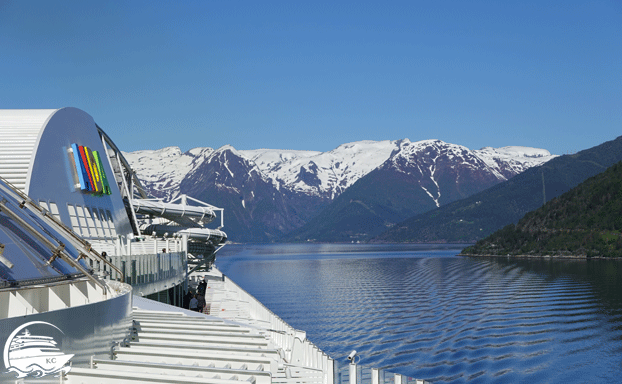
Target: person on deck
column 201, row 304
column 202, row 287
column 187, row 298
column 194, row 303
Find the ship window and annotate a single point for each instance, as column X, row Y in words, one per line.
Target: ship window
column 54, row 210
column 44, row 204
column 75, row 225
column 82, row 220
column 98, row 222
column 90, row 222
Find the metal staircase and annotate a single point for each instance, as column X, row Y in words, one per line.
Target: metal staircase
column 183, row 347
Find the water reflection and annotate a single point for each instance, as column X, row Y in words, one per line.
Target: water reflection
column 427, row 313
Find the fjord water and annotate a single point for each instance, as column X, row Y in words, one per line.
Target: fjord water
column 424, row 312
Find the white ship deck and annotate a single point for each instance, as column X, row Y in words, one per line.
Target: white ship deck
column 239, row 341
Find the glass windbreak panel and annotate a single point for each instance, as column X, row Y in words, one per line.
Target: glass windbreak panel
column 28, row 254
column 363, row 375
column 343, row 374
column 385, row 377
column 412, row 380
column 29, row 244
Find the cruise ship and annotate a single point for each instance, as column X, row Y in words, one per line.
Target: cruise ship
column 93, row 273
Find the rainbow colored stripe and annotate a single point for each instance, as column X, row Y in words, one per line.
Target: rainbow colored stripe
column 90, row 170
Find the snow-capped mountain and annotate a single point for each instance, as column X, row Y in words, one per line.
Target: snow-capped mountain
column 322, row 174
column 417, row 177
column 435, row 160
column 162, row 170
column 269, row 193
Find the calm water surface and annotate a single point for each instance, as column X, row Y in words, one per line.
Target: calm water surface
column 422, row 311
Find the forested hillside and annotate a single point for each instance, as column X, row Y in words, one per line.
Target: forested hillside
column 586, row 221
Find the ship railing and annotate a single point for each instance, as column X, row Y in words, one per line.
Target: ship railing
column 150, row 244
column 145, row 269
column 297, row 350
column 358, row 374
column 283, row 334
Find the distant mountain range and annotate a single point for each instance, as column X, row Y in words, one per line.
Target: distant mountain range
column 481, row 214
column 351, row 193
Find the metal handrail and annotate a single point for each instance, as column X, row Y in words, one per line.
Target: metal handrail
column 57, row 250
column 46, row 215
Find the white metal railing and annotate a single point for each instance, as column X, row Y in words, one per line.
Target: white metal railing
column 150, row 268
column 283, row 334
column 298, row 351
column 358, row 374
column 151, row 245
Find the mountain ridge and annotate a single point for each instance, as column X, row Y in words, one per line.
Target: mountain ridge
column 298, row 185
column 479, row 215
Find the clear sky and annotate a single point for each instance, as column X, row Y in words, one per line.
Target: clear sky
column 316, row 74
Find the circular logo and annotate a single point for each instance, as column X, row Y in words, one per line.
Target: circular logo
column 32, row 350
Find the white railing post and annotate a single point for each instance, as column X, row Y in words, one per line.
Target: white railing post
column 331, row 371
column 375, row 376
column 398, row 378
column 353, row 379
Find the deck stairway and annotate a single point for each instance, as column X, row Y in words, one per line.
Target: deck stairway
column 239, row 340
column 182, row 347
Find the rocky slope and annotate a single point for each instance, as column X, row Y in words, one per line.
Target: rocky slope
column 416, row 178
column 483, row 213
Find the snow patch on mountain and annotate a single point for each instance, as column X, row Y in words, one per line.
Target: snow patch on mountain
column 512, row 160
column 324, row 174
column 162, row 170
column 328, row 174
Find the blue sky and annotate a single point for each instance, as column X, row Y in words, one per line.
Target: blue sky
column 315, row 74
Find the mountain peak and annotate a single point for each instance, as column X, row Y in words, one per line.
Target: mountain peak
column 429, row 173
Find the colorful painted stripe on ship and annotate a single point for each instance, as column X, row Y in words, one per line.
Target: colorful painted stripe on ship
column 90, row 170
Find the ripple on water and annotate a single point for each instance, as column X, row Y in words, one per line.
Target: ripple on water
column 448, row 319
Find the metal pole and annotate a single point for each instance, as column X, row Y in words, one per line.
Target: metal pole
column 375, row 376
column 353, row 379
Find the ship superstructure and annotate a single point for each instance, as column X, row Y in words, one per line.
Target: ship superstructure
column 83, row 250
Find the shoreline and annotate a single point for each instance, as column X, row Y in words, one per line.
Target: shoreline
column 575, row 257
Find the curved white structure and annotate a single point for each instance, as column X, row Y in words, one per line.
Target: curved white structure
column 62, row 160
column 20, row 131
column 70, row 240
column 49, row 295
